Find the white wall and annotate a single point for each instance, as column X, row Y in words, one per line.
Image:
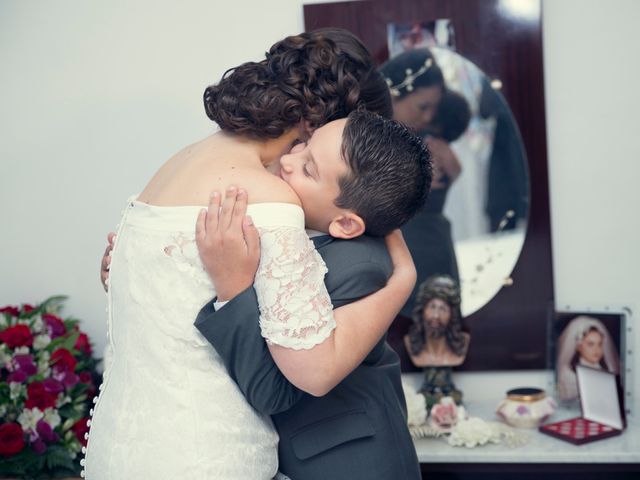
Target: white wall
column 592, row 66
column 95, row 95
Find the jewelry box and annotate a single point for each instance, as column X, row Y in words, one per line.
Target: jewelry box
column 602, row 415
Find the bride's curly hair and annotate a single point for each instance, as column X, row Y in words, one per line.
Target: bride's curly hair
column 317, row 76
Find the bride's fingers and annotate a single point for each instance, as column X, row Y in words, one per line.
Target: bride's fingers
column 207, row 221
column 201, row 229
column 227, row 208
column 213, row 214
column 239, row 210
column 252, row 238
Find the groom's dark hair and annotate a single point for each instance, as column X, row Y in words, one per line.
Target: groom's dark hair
column 316, row 76
column 390, row 172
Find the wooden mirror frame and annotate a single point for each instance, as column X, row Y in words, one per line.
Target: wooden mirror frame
column 509, row 332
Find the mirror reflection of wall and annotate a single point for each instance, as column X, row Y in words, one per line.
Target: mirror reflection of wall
column 474, row 224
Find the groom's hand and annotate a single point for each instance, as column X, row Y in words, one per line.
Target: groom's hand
column 228, row 243
column 105, row 264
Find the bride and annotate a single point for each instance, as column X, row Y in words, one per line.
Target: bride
column 167, row 407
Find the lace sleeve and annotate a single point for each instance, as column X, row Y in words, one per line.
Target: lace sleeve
column 295, row 308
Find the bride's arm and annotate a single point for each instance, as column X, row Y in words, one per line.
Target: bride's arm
column 359, row 326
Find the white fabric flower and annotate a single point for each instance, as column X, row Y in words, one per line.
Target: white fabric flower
column 41, row 341
column 22, row 351
column 416, row 406
column 16, row 389
column 473, row 432
column 38, row 324
column 29, row 418
column 5, row 357
column 52, row 417
column 3, row 410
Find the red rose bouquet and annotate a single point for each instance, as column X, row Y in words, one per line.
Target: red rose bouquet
column 47, row 381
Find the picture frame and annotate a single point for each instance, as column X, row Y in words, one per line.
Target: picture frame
column 597, row 337
column 403, row 36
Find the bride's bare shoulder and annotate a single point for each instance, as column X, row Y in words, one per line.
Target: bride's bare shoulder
column 271, row 188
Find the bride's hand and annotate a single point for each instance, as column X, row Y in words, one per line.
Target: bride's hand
column 228, row 243
column 404, row 270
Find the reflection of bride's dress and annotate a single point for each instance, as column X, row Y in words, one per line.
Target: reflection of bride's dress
column 167, row 407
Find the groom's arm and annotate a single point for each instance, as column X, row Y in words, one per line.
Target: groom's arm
column 234, row 332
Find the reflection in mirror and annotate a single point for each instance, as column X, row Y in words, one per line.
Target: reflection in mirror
column 474, row 224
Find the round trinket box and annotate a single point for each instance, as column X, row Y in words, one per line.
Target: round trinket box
column 526, row 407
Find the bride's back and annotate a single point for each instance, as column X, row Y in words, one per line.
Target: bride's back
column 214, row 163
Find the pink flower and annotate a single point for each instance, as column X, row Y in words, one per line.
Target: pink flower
column 22, row 367
column 52, row 386
column 79, row 429
column 55, row 325
column 11, row 310
column 82, row 344
column 46, row 433
column 63, row 361
column 38, row 445
column 37, row 396
column 85, row 377
column 445, row 414
column 19, row 376
column 17, row 336
column 25, row 362
column 11, row 439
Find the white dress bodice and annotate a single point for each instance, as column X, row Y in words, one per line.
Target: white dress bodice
column 167, row 407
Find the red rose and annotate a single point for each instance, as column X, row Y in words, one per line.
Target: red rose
column 82, row 344
column 79, row 429
column 63, row 361
column 17, row 336
column 26, row 308
column 11, row 439
column 85, row 377
column 55, row 325
column 13, row 311
column 39, row 397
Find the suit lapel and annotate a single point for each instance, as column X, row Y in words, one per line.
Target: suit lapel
column 322, row 240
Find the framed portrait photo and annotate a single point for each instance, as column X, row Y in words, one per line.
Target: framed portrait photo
column 594, row 338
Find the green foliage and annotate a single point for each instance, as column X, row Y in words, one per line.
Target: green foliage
column 60, row 459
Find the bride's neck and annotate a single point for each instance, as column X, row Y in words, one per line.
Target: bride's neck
column 267, row 151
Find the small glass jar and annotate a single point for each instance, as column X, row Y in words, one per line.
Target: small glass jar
column 526, row 407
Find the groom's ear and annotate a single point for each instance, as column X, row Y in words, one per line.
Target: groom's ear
column 346, row 226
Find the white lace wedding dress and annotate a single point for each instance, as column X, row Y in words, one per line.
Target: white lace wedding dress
column 167, row 408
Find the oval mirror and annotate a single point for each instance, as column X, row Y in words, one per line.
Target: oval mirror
column 474, row 225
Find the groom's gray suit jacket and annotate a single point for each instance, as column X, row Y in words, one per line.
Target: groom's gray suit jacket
column 356, row 431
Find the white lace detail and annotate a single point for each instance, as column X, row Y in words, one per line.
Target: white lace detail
column 295, row 309
column 167, row 407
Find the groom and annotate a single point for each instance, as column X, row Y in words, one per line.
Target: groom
column 357, row 430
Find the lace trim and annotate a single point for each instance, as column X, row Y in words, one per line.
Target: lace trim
column 295, row 308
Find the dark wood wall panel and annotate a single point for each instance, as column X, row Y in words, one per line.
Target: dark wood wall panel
column 511, row 331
